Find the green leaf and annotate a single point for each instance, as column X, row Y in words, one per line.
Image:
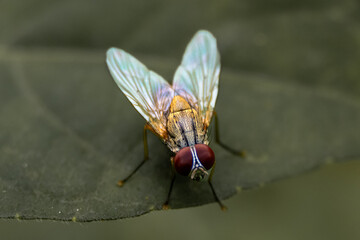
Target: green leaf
column 68, row 135
column 289, row 96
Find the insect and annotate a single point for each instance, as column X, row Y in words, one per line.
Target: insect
column 180, row 114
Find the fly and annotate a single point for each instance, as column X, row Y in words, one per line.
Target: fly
column 180, row 114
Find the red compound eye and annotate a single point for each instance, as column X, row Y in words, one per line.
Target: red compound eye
column 205, row 155
column 183, row 161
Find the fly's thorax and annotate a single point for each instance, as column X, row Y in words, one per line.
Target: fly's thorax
column 184, row 125
column 178, row 103
column 194, row 161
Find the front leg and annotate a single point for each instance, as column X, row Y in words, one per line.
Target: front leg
column 147, row 127
column 222, row 206
column 173, row 176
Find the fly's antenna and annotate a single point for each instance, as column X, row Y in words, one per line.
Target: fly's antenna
column 199, row 174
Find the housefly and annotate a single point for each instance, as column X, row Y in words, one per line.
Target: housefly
column 179, row 114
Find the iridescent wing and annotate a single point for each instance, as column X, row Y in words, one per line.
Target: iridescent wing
column 148, row 92
column 197, row 78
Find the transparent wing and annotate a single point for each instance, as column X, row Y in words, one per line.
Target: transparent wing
column 197, row 78
column 148, row 92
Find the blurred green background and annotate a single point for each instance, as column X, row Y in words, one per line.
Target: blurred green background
column 314, row 43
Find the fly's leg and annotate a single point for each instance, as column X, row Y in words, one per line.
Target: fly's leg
column 218, row 141
column 173, row 176
column 222, row 206
column 146, row 156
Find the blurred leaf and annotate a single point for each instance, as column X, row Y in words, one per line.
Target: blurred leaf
column 68, row 135
column 314, row 42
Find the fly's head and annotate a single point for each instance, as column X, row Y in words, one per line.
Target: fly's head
column 194, row 161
